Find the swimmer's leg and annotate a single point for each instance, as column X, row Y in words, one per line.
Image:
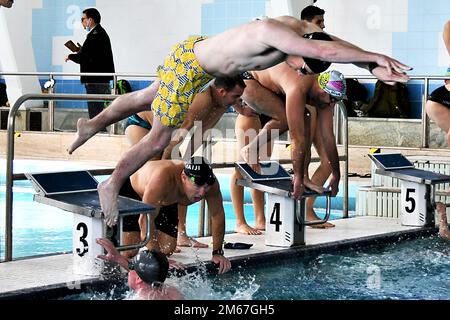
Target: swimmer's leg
column 120, row 108
column 152, row 144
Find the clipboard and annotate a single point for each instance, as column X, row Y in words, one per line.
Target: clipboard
column 72, row 46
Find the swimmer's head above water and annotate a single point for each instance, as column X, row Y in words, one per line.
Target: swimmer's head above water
column 199, row 171
column 151, row 266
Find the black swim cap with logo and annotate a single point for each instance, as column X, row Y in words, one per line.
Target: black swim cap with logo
column 200, row 172
column 317, row 66
column 151, row 266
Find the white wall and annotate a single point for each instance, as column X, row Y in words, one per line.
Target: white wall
column 16, row 52
column 366, row 23
column 142, row 33
column 286, row 7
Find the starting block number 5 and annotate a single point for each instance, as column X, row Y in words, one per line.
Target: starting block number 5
column 413, row 203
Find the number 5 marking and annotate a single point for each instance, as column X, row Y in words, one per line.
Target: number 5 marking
column 410, row 199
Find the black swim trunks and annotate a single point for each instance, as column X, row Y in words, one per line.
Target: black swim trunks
column 166, row 221
column 130, row 223
column 441, row 95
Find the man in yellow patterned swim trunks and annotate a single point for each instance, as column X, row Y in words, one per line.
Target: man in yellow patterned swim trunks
column 256, row 45
column 181, row 79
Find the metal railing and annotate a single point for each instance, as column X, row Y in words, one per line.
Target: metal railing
column 10, row 177
column 10, row 152
column 425, row 120
column 52, row 77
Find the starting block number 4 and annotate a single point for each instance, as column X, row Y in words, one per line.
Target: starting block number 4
column 282, row 229
column 413, row 204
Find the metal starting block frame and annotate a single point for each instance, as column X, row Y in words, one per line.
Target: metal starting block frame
column 417, row 187
column 76, row 192
column 285, row 227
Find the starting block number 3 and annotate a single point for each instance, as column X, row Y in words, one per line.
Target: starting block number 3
column 413, row 203
column 83, row 245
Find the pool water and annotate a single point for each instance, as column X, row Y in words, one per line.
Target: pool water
column 411, row 269
column 42, row 229
column 417, row 269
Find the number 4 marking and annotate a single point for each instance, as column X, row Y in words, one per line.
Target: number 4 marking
column 275, row 217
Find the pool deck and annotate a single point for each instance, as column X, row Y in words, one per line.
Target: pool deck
column 35, row 275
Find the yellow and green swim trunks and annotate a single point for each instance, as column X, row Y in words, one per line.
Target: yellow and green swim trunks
column 181, row 78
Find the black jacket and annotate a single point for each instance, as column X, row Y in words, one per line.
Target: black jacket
column 95, row 56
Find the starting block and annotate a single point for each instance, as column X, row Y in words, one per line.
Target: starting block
column 285, row 223
column 417, row 187
column 76, row 192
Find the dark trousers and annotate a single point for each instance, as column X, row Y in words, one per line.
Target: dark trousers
column 95, row 107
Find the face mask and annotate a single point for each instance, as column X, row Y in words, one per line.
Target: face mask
column 88, row 28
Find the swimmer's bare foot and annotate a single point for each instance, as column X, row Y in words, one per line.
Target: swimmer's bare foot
column 311, row 216
column 84, row 132
column 246, row 229
column 108, row 202
column 260, row 225
column 184, row 241
column 312, row 186
column 326, row 225
column 248, row 157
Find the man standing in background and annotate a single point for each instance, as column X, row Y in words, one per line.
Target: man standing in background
column 6, row 3
column 94, row 56
column 314, row 15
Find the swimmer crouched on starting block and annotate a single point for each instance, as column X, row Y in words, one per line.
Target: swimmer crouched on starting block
column 162, row 183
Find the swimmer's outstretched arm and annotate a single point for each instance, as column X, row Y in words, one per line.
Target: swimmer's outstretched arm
column 286, row 40
column 214, row 201
column 112, row 254
column 120, row 108
column 382, row 73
